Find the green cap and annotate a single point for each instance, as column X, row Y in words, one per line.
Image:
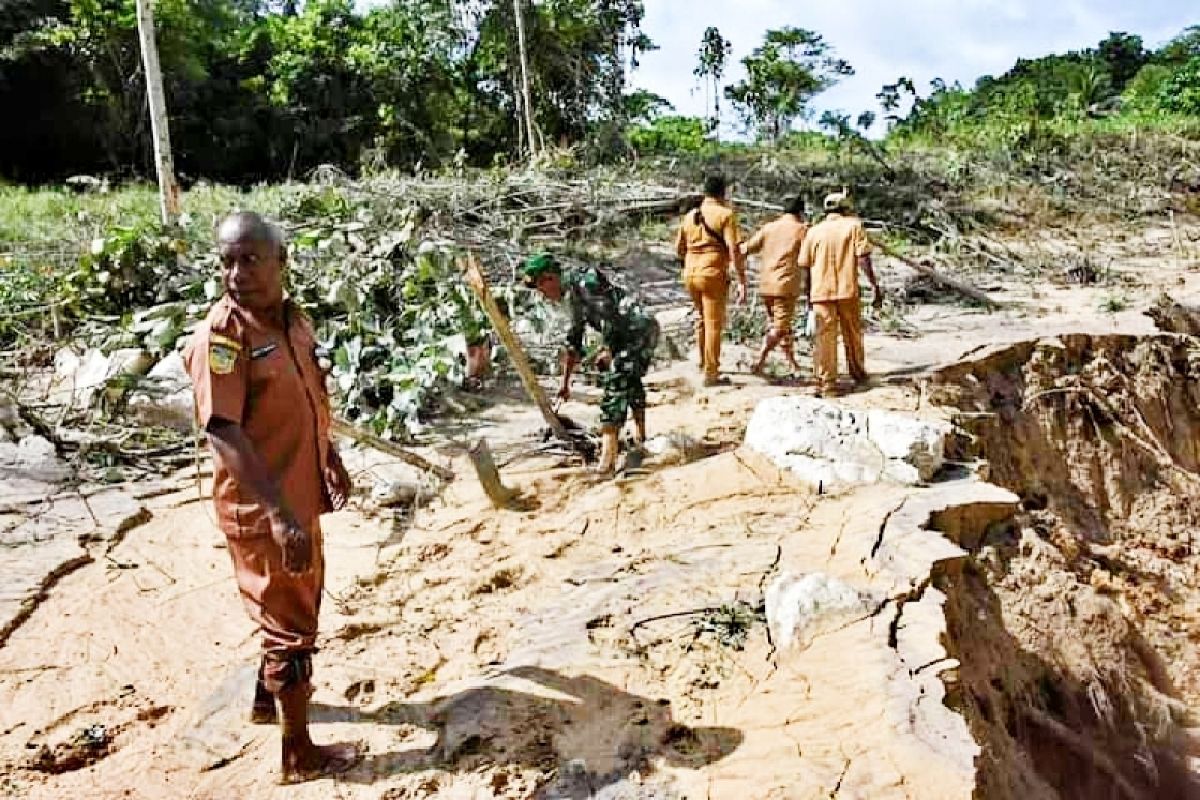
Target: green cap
column 537, row 266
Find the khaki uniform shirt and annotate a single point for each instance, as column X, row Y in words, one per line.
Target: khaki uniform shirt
column 249, row 371
column 778, row 242
column 831, row 249
column 703, row 254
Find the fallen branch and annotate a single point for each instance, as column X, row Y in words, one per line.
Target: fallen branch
column 939, row 278
column 343, row 428
column 475, row 278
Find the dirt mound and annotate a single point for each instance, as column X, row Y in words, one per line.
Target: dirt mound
column 1077, row 621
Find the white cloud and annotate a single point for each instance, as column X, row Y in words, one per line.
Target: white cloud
column 956, row 40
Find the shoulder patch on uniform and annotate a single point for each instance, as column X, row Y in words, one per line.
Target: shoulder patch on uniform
column 221, row 358
column 225, row 341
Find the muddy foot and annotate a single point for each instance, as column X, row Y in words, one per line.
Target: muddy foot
column 316, row 761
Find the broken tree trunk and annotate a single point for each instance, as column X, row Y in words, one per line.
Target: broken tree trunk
column 478, row 281
column 343, row 428
column 489, row 476
column 939, row 278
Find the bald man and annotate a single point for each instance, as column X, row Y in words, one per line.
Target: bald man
column 260, row 397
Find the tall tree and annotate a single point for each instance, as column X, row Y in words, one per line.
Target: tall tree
column 792, row 66
column 713, row 57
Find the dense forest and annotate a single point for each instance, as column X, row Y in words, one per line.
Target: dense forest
column 266, row 89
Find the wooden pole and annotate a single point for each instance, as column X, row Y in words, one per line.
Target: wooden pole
column 526, row 103
column 168, row 189
column 478, row 281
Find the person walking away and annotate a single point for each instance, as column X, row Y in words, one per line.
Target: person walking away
column 834, row 250
column 709, row 242
column 260, row 397
column 780, row 281
column 630, row 336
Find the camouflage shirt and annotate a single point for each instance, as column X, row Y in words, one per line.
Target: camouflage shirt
column 593, row 300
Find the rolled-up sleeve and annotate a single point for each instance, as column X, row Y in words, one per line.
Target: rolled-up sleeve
column 219, row 367
column 862, row 242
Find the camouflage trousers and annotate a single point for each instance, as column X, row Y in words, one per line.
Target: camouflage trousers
column 632, row 353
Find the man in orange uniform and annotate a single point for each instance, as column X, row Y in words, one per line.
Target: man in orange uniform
column 834, row 250
column 260, row 397
column 779, row 281
column 709, row 242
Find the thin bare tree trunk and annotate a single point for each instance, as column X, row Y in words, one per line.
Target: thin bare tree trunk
column 526, row 103
column 168, row 189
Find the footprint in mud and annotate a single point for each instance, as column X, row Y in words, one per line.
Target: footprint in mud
column 85, row 748
column 500, row 581
column 85, row 745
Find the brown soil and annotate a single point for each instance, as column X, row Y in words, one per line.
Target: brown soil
column 1077, row 623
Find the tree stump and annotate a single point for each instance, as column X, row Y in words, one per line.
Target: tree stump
column 489, row 476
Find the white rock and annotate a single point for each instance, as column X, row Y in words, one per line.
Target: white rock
column 34, row 459
column 80, row 381
column 828, row 446
column 799, row 607
column 167, row 399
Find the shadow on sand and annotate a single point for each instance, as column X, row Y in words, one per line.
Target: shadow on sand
column 586, row 732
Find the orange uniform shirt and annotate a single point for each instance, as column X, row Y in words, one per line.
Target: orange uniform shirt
column 778, row 243
column 703, row 254
column 252, row 372
column 831, row 250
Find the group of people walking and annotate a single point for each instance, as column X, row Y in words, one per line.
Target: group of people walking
column 819, row 263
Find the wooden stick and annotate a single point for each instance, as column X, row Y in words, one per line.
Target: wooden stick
column 475, row 278
column 489, row 477
column 939, row 278
column 343, row 428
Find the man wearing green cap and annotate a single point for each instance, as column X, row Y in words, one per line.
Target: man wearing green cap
column 834, row 251
column 629, row 333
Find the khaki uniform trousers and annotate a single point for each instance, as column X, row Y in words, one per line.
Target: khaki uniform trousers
column 832, row 317
column 709, row 291
column 781, row 311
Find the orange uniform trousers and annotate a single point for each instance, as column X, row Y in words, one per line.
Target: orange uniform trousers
column 832, row 317
column 710, row 291
column 284, row 606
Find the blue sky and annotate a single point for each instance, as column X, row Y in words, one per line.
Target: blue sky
column 922, row 39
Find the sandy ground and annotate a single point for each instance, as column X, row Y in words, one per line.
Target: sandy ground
column 601, row 644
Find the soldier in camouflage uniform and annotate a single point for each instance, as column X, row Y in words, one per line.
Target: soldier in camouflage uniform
column 629, row 333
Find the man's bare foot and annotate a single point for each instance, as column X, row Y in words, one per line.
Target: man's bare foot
column 757, row 368
column 308, row 762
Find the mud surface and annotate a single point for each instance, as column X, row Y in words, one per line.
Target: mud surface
column 609, row 641
column 1077, row 622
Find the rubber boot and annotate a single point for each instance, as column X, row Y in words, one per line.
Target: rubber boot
column 608, row 450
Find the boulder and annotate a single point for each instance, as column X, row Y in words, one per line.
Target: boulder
column 165, row 396
column 32, row 459
column 801, row 607
column 829, row 446
column 80, row 381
